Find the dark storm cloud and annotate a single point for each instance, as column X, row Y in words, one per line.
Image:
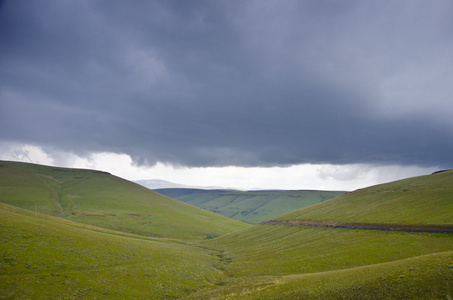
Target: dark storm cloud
column 249, row 83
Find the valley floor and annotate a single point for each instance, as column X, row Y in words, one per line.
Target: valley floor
column 289, row 262
column 48, row 257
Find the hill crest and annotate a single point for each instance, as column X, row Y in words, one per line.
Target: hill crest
column 101, row 199
column 422, row 200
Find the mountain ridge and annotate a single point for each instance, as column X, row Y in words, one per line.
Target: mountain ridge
column 154, row 184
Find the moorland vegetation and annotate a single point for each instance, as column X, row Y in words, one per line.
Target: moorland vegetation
column 251, row 207
column 75, row 234
column 101, row 199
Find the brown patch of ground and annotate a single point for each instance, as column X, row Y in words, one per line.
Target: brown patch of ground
column 448, row 229
column 93, row 215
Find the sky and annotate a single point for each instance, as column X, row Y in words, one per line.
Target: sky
column 250, row 94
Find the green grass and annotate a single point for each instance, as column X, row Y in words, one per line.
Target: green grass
column 285, row 250
column 425, row 200
column 100, row 199
column 253, row 206
column 423, row 277
column 43, row 256
column 46, row 257
column 284, row 262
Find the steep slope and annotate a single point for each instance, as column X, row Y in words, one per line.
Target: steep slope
column 107, row 201
column 422, row 200
column 251, row 206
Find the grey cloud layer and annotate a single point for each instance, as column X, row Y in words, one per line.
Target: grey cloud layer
column 204, row 83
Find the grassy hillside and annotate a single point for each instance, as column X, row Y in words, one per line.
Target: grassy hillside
column 43, row 257
column 418, row 200
column 252, row 206
column 104, row 200
column 286, row 262
column 297, row 262
column 286, row 250
column 48, row 257
column 422, row 277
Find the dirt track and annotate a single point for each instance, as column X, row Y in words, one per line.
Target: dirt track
column 447, row 229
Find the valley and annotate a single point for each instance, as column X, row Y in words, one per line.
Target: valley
column 85, row 234
column 251, row 207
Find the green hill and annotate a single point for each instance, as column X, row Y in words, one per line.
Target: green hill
column 424, row 200
column 100, row 199
column 44, row 257
column 251, row 206
column 290, row 262
column 270, row 261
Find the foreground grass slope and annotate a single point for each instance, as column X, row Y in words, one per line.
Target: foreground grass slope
column 422, row 277
column 104, row 200
column 424, row 200
column 288, row 250
column 43, row 257
column 291, row 262
column 48, row 257
column 297, row 262
column 251, row 206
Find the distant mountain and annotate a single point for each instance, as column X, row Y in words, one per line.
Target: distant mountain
column 154, row 184
column 160, row 184
column 249, row 206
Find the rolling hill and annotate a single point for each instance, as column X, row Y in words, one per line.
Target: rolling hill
column 251, row 206
column 100, row 199
column 44, row 257
column 292, row 261
column 422, row 200
column 154, row 184
column 49, row 252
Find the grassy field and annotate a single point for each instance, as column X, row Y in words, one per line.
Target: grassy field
column 422, row 277
column 297, row 262
column 55, row 256
column 418, row 200
column 104, row 200
column 286, row 250
column 43, row 257
column 285, row 262
column 252, row 206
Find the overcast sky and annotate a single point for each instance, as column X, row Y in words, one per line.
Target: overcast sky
column 299, row 90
